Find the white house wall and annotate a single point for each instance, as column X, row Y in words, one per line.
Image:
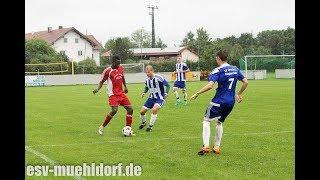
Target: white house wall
column 96, row 56
column 188, row 55
column 71, row 48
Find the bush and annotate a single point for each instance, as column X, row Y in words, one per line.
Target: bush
column 87, row 66
column 163, row 66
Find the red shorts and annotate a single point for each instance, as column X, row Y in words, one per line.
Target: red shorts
column 122, row 100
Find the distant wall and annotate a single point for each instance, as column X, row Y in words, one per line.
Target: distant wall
column 95, row 78
column 285, row 73
column 255, row 74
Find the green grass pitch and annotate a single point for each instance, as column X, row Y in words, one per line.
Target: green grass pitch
column 258, row 139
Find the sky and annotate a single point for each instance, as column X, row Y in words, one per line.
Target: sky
column 107, row 19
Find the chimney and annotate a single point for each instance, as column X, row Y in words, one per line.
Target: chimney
column 49, row 29
column 60, row 27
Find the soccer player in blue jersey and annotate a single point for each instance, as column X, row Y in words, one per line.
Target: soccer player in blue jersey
column 180, row 82
column 222, row 103
column 155, row 83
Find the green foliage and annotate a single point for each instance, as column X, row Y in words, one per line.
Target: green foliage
column 164, row 66
column 141, row 38
column 87, row 66
column 266, row 42
column 160, row 44
column 38, row 51
column 120, row 47
column 270, row 64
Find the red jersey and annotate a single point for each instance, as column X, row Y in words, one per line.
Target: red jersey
column 114, row 78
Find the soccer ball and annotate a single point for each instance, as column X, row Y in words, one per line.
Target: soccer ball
column 127, row 131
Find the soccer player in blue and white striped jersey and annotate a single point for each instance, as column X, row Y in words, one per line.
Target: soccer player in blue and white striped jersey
column 155, row 83
column 180, row 82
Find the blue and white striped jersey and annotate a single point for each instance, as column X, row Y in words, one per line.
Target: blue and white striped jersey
column 181, row 76
column 156, row 86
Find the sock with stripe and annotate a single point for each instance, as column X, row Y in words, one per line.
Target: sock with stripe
column 128, row 120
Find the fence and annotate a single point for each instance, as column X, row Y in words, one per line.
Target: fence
column 50, row 80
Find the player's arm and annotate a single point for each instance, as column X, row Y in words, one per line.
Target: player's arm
column 100, row 84
column 213, row 77
column 186, row 68
column 206, row 88
column 98, row 88
column 146, row 89
column 125, row 84
column 243, row 87
column 167, row 85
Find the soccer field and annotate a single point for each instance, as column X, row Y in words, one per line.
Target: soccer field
column 258, row 139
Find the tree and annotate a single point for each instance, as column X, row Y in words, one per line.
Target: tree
column 141, row 38
column 236, row 53
column 189, row 41
column 160, row 44
column 42, row 51
column 121, row 48
column 199, row 43
column 202, row 40
column 87, row 66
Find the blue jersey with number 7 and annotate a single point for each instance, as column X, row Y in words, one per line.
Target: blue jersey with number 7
column 226, row 76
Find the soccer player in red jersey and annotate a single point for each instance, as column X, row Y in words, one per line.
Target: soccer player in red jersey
column 117, row 96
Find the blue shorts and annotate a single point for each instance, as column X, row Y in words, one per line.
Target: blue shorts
column 219, row 111
column 180, row 84
column 151, row 102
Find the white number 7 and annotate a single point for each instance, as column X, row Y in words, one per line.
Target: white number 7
column 231, row 79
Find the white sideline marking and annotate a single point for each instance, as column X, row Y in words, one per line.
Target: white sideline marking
column 45, row 158
column 158, row 139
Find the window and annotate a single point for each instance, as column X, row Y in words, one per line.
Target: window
column 79, row 53
column 76, row 40
column 65, row 40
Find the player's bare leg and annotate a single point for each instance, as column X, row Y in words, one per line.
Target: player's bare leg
column 219, row 130
column 154, row 112
column 206, row 137
column 184, row 92
column 143, row 117
column 114, row 110
column 176, row 94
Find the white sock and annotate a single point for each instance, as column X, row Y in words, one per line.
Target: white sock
column 176, row 94
column 143, row 118
column 153, row 119
column 219, row 131
column 206, row 133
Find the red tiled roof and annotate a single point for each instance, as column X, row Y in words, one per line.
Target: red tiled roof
column 55, row 34
column 154, row 51
column 106, row 54
column 97, row 45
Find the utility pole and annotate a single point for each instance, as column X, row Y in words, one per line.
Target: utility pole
column 152, row 7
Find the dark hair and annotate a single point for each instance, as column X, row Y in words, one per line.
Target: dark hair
column 115, row 58
column 222, row 54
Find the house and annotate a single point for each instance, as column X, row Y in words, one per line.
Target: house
column 70, row 41
column 162, row 54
